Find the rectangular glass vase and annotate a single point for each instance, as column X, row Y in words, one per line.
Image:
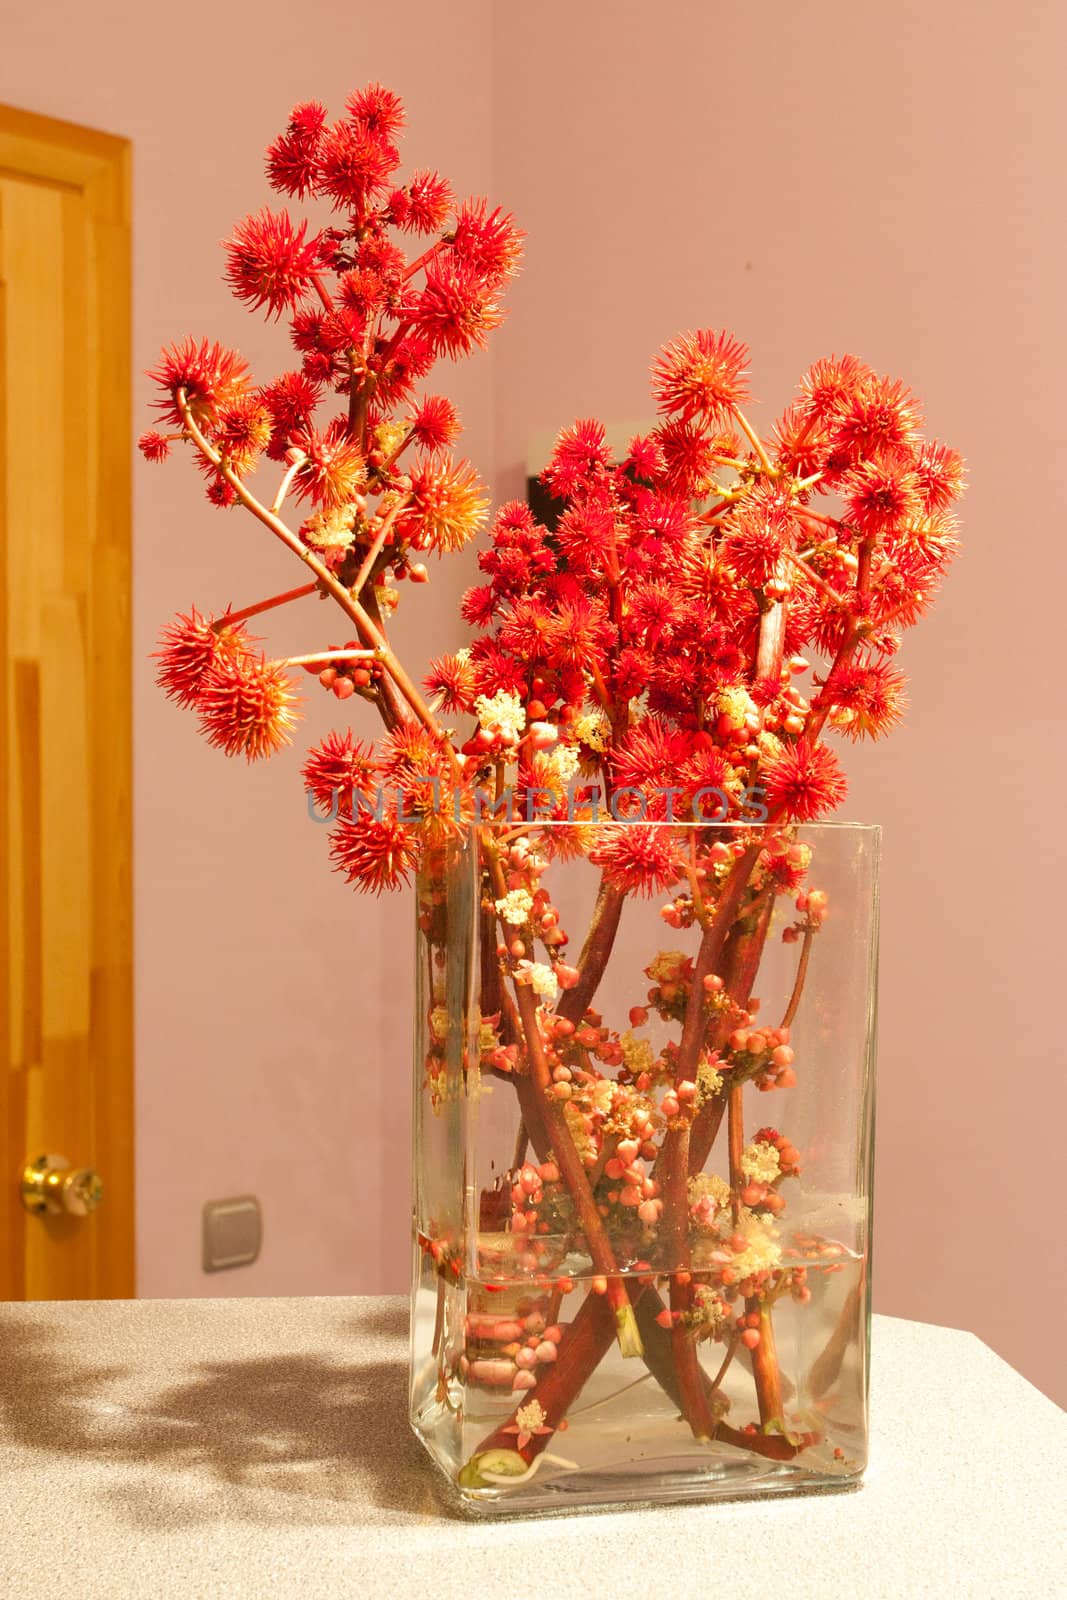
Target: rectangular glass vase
column 643, row 1155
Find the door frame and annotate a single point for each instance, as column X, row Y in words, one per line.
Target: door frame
column 94, row 168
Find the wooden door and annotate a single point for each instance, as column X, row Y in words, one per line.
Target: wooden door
column 65, row 831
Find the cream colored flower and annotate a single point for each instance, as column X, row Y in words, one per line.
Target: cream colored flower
column 562, row 765
column 515, row 907
column 502, row 713
column 330, row 532
column 709, row 1079
column 488, row 1038
column 711, row 1309
column 542, row 980
column 762, row 1252
column 666, row 966
column 439, row 1024
column 530, row 1416
column 737, row 703
column 581, row 1138
column 709, row 1188
column 593, row 730
column 760, row 1162
column 637, row 1054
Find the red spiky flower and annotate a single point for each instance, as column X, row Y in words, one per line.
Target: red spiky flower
column 940, row 472
column 242, row 430
column 637, row 858
column 270, row 261
column 333, row 469
column 869, row 699
column 354, row 165
column 374, row 853
column 803, row 781
column 435, row 422
column 487, row 242
column 830, row 384
column 189, row 648
column 763, row 529
column 579, row 455
column 293, row 157
column 153, row 446
column 448, row 506
column 701, row 374
column 450, row 683
column 377, row 110
column 209, row 373
column 881, row 494
column 290, row 401
column 427, row 201
column 456, row 312
column 246, row 705
column 338, row 768
column 880, row 414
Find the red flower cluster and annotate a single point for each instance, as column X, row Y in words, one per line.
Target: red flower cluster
column 367, row 322
column 653, row 644
column 659, row 627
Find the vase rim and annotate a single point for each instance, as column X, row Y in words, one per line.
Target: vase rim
column 839, row 825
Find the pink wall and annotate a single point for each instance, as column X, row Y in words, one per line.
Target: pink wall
column 273, row 1010
column 857, row 179
column 880, row 180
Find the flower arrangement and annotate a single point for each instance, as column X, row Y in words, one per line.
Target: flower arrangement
column 650, row 688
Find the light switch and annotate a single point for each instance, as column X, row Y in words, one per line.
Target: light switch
column 233, row 1232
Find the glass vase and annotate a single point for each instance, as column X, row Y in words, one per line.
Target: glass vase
column 643, row 1151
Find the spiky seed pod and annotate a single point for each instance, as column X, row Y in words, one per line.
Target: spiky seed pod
column 338, row 768
column 701, row 376
column 449, row 505
column 210, row 374
column 374, row 854
column 189, row 648
column 270, row 261
column 637, row 858
column 246, row 706
column 803, row 781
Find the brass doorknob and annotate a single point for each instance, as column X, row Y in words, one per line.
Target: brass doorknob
column 51, row 1186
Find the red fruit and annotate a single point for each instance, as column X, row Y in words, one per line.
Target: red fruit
column 344, row 688
column 328, row 677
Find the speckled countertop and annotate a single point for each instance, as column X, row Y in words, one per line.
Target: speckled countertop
column 259, row 1448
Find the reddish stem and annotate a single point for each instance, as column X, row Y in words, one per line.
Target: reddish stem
column 765, row 1365
column 228, row 618
column 586, row 1341
column 571, row 1169
column 690, row 1374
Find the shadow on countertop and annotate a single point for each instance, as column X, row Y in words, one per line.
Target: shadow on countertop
column 269, row 1439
